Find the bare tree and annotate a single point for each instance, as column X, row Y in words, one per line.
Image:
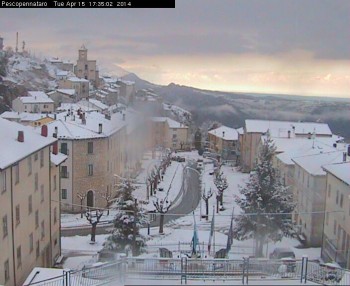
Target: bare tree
column 107, row 196
column 93, row 219
column 162, row 206
column 220, row 182
column 81, row 196
column 206, row 196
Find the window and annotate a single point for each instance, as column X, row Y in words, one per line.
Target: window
column 37, row 251
column 29, row 161
column 19, row 256
column 36, row 219
column 64, row 148
column 55, row 215
column 54, row 182
column 36, row 182
column 64, row 194
column 31, row 243
column 341, row 200
column 42, row 229
column 4, row 226
column 337, row 197
column 18, row 215
column 7, row 270
column 42, row 158
column 36, row 157
column 90, row 169
column 42, row 195
column 3, row 179
column 64, row 172
column 17, row 173
column 86, row 67
column 30, row 204
column 90, row 147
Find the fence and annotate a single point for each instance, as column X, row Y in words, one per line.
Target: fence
column 246, row 269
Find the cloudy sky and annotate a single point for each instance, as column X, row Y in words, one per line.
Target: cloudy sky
column 274, row 46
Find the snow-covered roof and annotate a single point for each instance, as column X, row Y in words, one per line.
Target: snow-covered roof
column 225, row 133
column 58, row 158
column 297, row 147
column 67, row 91
column 72, row 127
column 25, row 116
column 172, row 123
column 76, row 79
column 62, row 73
column 12, row 150
column 240, row 130
column 313, row 163
column 36, row 97
column 281, row 128
column 339, row 170
column 98, row 103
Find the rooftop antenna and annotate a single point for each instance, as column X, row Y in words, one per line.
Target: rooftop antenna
column 16, row 42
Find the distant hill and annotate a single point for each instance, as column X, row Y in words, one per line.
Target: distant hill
column 230, row 108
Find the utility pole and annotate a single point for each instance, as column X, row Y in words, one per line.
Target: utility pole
column 134, row 231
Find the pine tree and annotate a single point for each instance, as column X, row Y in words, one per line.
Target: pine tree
column 262, row 198
column 127, row 222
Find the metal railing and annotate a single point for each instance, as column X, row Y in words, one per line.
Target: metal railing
column 184, row 269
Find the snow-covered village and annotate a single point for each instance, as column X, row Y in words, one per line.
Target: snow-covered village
column 109, row 179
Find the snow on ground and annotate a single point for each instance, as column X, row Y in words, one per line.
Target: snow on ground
column 178, row 233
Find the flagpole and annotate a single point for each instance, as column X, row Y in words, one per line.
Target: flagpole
column 214, row 232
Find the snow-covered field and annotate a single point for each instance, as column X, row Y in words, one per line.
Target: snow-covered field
column 178, row 233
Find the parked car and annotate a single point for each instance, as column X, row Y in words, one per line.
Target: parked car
column 287, row 257
column 281, row 252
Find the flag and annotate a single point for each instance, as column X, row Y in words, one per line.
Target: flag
column 229, row 236
column 195, row 241
column 211, row 235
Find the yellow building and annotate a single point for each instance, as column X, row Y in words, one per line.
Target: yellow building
column 29, row 201
column 168, row 133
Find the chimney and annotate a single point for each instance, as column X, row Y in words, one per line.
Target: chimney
column 55, row 116
column 289, row 133
column 99, row 128
column 55, row 148
column 56, row 130
column 83, row 119
column 349, row 150
column 309, row 135
column 223, row 133
column 20, row 137
column 344, row 156
column 293, row 127
column 123, row 116
column 54, row 135
column 335, row 145
column 44, row 130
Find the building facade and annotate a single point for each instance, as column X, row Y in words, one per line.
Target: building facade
column 86, row 69
column 95, row 145
column 80, row 85
column 224, row 141
column 35, row 102
column 336, row 235
column 29, row 201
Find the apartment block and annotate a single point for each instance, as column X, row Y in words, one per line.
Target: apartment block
column 95, row 145
column 224, row 141
column 35, row 102
column 29, row 201
column 336, row 234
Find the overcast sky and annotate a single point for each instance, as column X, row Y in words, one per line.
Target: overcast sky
column 296, row 47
